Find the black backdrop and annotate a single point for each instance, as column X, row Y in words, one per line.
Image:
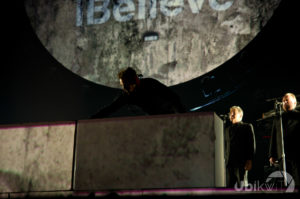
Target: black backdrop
column 36, row 88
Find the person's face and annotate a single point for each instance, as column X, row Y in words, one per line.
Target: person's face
column 289, row 103
column 129, row 88
column 235, row 116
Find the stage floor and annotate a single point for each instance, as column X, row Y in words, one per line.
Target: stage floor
column 199, row 192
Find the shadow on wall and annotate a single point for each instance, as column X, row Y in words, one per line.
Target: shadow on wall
column 13, row 182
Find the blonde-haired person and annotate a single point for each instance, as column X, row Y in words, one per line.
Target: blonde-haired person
column 239, row 146
column 291, row 136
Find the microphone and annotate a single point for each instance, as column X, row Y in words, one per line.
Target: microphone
column 224, row 115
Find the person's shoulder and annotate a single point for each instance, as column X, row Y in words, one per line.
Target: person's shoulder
column 246, row 124
column 292, row 112
column 150, row 81
column 295, row 113
column 146, row 81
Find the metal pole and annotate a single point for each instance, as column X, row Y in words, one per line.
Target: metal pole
column 282, row 144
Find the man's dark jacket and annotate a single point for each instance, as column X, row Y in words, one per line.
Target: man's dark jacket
column 291, row 136
column 239, row 144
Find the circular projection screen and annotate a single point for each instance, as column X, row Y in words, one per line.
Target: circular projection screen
column 171, row 40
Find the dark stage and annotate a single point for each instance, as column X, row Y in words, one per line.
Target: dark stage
column 36, row 89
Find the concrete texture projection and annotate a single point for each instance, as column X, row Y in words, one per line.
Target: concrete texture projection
column 171, row 40
column 36, row 158
column 167, row 151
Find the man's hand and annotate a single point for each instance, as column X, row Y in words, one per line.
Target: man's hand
column 272, row 160
column 248, row 165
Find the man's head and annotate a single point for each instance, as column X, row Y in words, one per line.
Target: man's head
column 235, row 114
column 289, row 101
column 128, row 79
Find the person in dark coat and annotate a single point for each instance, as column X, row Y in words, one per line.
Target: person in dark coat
column 239, row 148
column 149, row 94
column 291, row 137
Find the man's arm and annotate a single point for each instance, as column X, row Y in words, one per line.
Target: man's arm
column 168, row 94
column 109, row 109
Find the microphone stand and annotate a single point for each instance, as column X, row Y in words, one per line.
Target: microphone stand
column 278, row 106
